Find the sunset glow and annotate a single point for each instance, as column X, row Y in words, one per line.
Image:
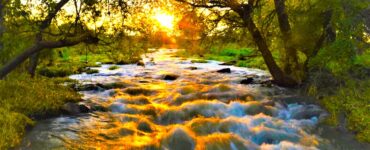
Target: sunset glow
column 165, row 20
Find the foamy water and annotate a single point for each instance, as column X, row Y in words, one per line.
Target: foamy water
column 201, row 109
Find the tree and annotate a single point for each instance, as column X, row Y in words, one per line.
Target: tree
column 245, row 12
column 61, row 28
column 303, row 28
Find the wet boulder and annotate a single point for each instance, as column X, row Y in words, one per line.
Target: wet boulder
column 144, row 126
column 170, row 77
column 126, row 132
column 224, row 70
column 141, row 63
column 74, row 109
column 179, row 138
column 247, row 81
column 87, row 87
column 115, row 85
column 229, row 63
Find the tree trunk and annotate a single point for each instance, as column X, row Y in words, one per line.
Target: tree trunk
column 280, row 78
column 328, row 35
column 2, row 28
column 291, row 64
column 34, row 59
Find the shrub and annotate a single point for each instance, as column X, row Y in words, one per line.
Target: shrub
column 22, row 97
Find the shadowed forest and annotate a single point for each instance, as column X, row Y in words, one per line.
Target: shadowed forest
column 185, row 74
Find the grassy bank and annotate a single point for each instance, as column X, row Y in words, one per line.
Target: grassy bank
column 22, row 97
column 353, row 101
column 67, row 61
column 233, row 55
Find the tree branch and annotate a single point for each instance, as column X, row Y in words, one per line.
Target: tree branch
column 41, row 45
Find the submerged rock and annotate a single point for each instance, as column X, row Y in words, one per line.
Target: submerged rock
column 179, row 138
column 125, row 131
column 141, row 63
column 144, row 126
column 247, row 81
column 170, row 77
column 74, row 109
column 87, row 87
column 114, row 85
column 224, row 70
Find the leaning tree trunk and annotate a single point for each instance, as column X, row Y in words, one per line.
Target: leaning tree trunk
column 279, row 76
column 34, row 59
column 2, row 28
column 38, row 47
column 291, row 64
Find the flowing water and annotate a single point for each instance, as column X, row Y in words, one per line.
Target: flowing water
column 201, row 109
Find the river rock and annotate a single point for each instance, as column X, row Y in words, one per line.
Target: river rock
column 247, row 81
column 179, row 139
column 229, row 63
column 115, row 85
column 83, row 108
column 87, row 87
column 141, row 63
column 224, row 70
column 170, row 77
column 125, row 132
column 74, row 109
column 144, row 126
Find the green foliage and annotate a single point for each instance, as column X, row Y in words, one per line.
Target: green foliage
column 21, row 97
column 241, row 56
column 363, row 59
column 199, row 61
column 91, row 71
column 66, row 69
column 338, row 57
column 353, row 100
column 113, row 67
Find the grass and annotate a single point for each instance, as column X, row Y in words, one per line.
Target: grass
column 199, row 61
column 66, row 69
column 22, row 97
column 240, row 57
column 354, row 101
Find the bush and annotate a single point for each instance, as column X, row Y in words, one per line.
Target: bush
column 22, row 97
column 353, row 100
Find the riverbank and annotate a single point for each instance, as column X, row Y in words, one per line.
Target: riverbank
column 24, row 100
column 343, row 96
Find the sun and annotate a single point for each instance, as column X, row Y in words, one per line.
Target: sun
column 165, row 20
